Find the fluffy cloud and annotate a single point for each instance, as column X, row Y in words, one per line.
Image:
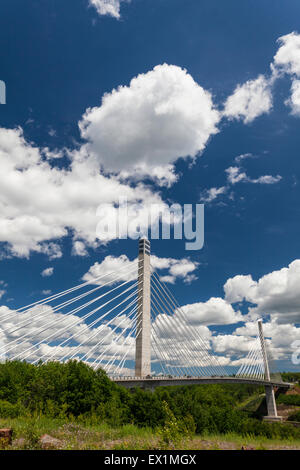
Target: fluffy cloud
column 177, row 269
column 237, row 288
column 236, row 175
column 115, row 269
column 215, row 311
column 233, row 345
column 254, row 97
column 265, row 179
column 294, row 100
column 46, row 292
column 280, row 337
column 250, row 100
column 79, row 248
column 47, row 272
column 144, row 127
column 276, row 294
column 3, row 286
column 243, row 156
column 41, row 203
column 287, row 58
column 124, row 269
column 179, row 343
column 211, row 194
column 108, row 7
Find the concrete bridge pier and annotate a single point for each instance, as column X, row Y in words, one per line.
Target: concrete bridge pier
column 271, row 405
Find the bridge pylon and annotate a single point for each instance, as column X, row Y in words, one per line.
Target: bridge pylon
column 143, row 321
column 269, row 389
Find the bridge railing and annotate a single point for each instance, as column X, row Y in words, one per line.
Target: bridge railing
column 163, row 377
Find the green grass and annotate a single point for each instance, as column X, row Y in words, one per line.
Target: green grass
column 257, row 442
column 76, row 434
column 87, row 434
column 20, row 425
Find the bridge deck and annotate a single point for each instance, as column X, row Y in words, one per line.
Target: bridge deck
column 144, row 382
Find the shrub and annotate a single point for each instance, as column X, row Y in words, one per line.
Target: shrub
column 289, row 400
column 294, row 417
column 10, row 410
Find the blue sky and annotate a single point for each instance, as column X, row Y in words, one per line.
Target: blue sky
column 59, row 59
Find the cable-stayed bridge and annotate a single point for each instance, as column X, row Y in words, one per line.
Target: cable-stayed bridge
column 128, row 323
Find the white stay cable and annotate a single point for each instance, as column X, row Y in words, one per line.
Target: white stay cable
column 202, row 355
column 244, row 369
column 100, row 356
column 62, row 319
column 60, row 294
column 161, row 352
column 122, row 362
column 37, row 315
column 164, row 323
column 182, row 331
column 158, row 356
column 250, row 371
column 182, row 314
column 86, row 355
column 175, row 351
column 78, row 319
column 87, row 327
column 110, row 363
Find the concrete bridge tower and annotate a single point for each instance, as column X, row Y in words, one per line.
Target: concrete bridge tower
column 270, row 394
column 143, row 332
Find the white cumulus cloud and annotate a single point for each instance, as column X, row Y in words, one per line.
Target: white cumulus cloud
column 79, row 248
column 236, row 175
column 294, row 100
column 276, row 294
column 40, row 203
column 108, row 7
column 249, row 100
column 124, row 269
column 211, row 194
column 287, row 58
column 215, row 311
column 144, row 127
column 47, row 272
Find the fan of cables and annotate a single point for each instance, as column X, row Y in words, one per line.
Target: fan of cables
column 94, row 322
column 177, row 345
column 253, row 366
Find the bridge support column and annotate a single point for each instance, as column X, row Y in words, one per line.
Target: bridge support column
column 271, row 402
column 269, row 389
column 143, row 332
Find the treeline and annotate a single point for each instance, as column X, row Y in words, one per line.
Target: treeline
column 293, row 377
column 293, row 400
column 74, row 390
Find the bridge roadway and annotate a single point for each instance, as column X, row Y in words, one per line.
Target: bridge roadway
column 146, row 382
